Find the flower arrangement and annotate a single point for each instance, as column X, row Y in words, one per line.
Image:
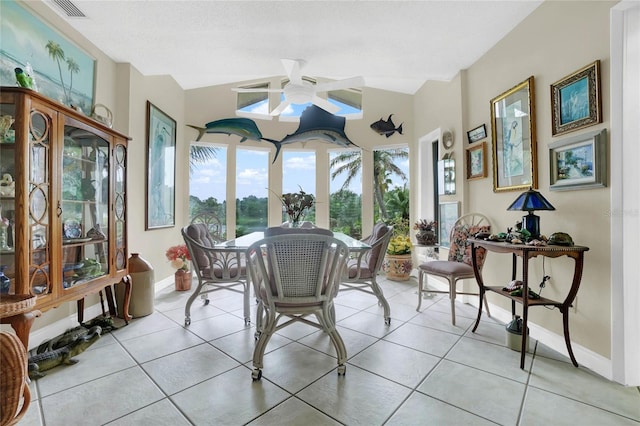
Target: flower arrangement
column 425, row 225
column 297, row 204
column 179, row 257
column 399, row 244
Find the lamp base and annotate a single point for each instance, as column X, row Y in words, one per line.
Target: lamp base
column 531, row 223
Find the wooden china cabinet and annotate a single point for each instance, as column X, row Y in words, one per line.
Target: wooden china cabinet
column 64, row 223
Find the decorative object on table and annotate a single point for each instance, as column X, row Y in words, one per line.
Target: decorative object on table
column 246, row 128
column 575, row 100
column 65, row 72
column 477, row 161
column 560, row 239
column 397, row 262
column 530, row 201
column 6, row 121
column 386, row 128
column 579, row 162
column 318, row 124
column 299, row 92
column 142, row 288
column 106, row 119
column 161, row 169
column 63, row 355
column 513, row 134
column 477, row 134
column 96, row 233
column 179, row 256
column 7, row 186
column 296, row 205
column 16, row 396
column 426, row 232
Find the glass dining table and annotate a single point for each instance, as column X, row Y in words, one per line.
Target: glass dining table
column 242, row 243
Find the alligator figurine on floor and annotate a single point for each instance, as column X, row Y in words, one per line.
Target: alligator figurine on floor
column 63, row 355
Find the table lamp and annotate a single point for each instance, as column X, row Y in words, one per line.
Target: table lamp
column 529, row 201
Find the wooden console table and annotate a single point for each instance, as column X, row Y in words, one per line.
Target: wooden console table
column 527, row 252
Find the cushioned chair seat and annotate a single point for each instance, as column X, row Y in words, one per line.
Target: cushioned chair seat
column 445, row 267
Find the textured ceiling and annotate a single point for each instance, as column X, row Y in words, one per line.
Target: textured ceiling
column 394, row 45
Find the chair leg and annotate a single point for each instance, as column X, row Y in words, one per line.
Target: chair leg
column 328, row 324
column 247, row 295
column 383, row 301
column 265, row 335
column 187, row 308
column 486, row 305
column 420, row 288
column 452, row 298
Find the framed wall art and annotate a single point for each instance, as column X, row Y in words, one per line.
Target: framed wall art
column 575, row 100
column 62, row 70
column 477, row 161
column 477, row 134
column 579, row 162
column 448, row 213
column 513, row 134
column 161, row 169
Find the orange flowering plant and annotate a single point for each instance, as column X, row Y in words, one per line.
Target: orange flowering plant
column 179, row 257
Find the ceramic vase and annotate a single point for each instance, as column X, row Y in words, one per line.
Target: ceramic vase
column 183, row 280
column 398, row 266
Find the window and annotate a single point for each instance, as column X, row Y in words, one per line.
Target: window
column 299, row 172
column 253, row 104
column 391, row 184
column 208, row 184
column 252, row 181
column 345, row 187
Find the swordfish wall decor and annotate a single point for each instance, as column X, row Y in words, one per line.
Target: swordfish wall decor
column 315, row 124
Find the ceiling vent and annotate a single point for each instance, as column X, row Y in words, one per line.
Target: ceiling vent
column 70, row 9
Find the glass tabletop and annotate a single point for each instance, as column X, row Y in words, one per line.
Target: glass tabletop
column 243, row 243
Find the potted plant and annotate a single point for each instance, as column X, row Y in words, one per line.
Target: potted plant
column 398, row 264
column 180, row 257
column 426, row 232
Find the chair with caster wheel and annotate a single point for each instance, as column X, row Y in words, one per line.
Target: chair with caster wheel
column 296, row 275
column 216, row 268
column 459, row 264
column 363, row 268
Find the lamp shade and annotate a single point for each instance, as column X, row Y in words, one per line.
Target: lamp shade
column 529, row 201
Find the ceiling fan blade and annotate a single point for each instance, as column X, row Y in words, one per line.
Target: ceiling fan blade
column 283, row 105
column 241, row 90
column 293, row 67
column 325, row 104
column 346, row 83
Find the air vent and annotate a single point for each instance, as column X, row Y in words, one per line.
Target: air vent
column 70, row 9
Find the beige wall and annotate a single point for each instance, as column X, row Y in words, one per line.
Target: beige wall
column 557, row 39
column 549, row 46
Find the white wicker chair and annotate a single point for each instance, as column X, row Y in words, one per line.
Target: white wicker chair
column 216, row 268
column 459, row 264
column 296, row 274
column 362, row 270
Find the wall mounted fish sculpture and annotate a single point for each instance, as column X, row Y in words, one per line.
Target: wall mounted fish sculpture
column 243, row 127
column 386, row 128
column 317, row 124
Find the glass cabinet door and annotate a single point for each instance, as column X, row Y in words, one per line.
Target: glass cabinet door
column 84, row 206
column 7, row 198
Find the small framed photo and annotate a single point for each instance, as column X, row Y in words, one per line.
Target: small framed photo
column 477, row 134
column 513, row 136
column 477, row 161
column 161, row 169
column 575, row 100
column 579, row 162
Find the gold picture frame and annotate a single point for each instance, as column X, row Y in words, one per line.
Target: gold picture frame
column 477, row 161
column 513, row 133
column 575, row 100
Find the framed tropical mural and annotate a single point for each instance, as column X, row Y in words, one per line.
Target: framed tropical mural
column 62, row 70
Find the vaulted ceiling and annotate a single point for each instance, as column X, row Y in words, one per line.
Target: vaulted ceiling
column 394, row 45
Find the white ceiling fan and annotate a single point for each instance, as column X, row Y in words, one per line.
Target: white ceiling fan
column 298, row 91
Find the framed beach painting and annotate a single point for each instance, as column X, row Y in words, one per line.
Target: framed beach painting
column 575, row 100
column 513, row 134
column 161, row 169
column 579, row 162
column 62, row 71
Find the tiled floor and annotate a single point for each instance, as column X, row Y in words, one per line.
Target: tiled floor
column 421, row 370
